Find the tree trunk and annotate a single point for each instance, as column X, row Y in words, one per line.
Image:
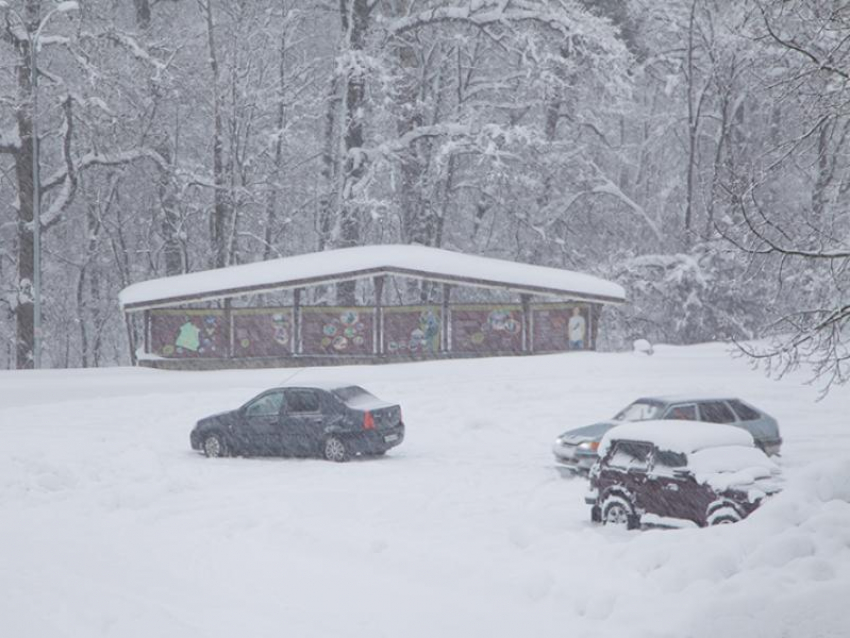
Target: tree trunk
column 355, row 22
column 693, row 130
column 271, row 199
column 143, row 14
column 23, row 157
column 219, row 223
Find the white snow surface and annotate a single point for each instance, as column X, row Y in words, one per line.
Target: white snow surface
column 438, row 262
column 112, row 526
column 677, row 436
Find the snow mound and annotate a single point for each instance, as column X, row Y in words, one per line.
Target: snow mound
column 783, row 571
column 793, row 554
column 642, row 346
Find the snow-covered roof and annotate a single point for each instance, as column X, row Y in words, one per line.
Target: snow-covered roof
column 678, row 436
column 366, row 261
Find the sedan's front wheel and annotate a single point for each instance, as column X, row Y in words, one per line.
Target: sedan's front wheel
column 214, row 446
column 335, row 450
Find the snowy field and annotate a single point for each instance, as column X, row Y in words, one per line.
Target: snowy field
column 111, row 526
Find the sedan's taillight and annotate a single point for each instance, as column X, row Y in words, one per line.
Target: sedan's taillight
column 368, row 421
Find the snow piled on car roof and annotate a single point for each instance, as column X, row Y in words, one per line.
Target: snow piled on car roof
column 678, row 436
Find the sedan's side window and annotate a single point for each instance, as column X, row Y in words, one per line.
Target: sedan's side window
column 630, row 455
column 685, row 412
column 716, row 412
column 266, row 405
column 301, row 401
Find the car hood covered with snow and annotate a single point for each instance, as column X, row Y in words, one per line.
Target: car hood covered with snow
column 592, row 432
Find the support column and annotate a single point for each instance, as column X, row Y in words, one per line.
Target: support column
column 527, row 324
column 446, row 319
column 228, row 326
column 593, row 312
column 130, row 340
column 146, row 333
column 296, row 312
column 378, row 323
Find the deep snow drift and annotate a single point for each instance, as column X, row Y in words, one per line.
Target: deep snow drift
column 111, row 526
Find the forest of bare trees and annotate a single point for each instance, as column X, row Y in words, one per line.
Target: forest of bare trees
column 695, row 151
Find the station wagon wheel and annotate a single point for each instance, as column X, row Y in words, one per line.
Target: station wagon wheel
column 335, row 450
column 214, row 446
column 616, row 510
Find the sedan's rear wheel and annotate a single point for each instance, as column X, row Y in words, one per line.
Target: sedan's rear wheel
column 617, row 510
column 214, row 446
column 335, row 450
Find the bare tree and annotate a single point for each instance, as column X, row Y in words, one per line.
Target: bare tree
column 791, row 210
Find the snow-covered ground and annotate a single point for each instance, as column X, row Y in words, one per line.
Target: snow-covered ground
column 111, row 526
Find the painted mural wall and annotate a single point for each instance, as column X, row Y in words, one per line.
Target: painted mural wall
column 414, row 331
column 483, row 328
column 560, row 327
column 337, row 331
column 188, row 333
column 263, row 332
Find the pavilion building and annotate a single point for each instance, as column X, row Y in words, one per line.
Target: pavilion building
column 411, row 303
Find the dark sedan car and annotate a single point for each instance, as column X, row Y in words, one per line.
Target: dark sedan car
column 334, row 421
column 576, row 449
column 678, row 474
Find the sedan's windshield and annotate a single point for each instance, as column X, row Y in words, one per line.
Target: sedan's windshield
column 640, row 411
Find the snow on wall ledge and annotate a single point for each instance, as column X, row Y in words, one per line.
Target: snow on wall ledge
column 347, row 263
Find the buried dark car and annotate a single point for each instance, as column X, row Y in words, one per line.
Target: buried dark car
column 678, row 474
column 331, row 421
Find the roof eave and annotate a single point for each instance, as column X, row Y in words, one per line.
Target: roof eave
column 225, row 293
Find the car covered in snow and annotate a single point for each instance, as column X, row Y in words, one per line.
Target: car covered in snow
column 678, row 474
column 576, row 449
column 333, row 421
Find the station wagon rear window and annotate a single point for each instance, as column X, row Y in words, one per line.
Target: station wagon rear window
column 744, row 412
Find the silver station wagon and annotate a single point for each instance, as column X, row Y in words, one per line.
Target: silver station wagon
column 576, row 449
